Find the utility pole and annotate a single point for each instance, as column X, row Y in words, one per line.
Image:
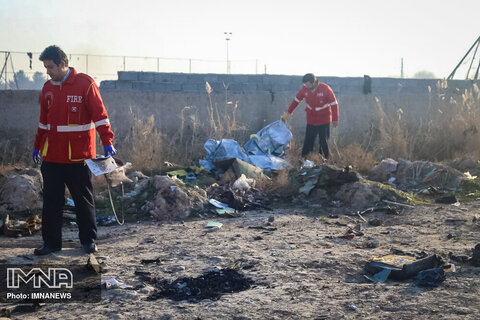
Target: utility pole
column 227, row 39
column 401, row 69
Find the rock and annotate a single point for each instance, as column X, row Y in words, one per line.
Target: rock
column 147, row 290
column 383, row 171
column 21, row 190
column 357, row 195
column 375, row 222
column 476, row 256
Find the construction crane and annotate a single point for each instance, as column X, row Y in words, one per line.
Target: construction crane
column 475, row 45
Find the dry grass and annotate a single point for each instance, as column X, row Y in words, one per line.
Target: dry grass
column 150, row 148
column 453, row 128
column 449, row 129
column 144, row 145
column 16, row 148
column 353, row 155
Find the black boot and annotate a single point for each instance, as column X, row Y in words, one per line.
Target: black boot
column 43, row 250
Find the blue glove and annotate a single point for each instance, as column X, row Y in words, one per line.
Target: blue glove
column 36, row 156
column 109, row 150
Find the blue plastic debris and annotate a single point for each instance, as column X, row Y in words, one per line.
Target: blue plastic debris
column 263, row 150
column 105, row 220
column 430, row 278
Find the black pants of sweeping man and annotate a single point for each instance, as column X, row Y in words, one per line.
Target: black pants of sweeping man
column 77, row 178
column 323, row 132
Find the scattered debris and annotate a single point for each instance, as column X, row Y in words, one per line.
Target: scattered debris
column 106, row 220
column 113, row 283
column 430, row 277
column 248, row 200
column 17, row 228
column 93, row 264
column 399, row 204
column 221, row 208
column 214, row 225
column 385, row 209
column 402, row 267
column 243, row 184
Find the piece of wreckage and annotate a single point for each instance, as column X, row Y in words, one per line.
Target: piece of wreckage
column 399, row 267
column 17, row 228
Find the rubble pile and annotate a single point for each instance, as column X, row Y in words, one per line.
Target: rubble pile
column 410, row 176
column 170, row 200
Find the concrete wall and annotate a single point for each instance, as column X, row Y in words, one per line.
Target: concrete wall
column 260, row 99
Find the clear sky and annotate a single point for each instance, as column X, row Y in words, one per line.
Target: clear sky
column 329, row 38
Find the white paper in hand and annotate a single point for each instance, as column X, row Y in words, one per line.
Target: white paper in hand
column 101, row 165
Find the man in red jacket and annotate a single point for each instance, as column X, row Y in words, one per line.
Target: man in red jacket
column 322, row 109
column 71, row 108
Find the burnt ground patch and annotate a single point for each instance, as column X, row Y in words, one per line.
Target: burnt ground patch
column 211, row 285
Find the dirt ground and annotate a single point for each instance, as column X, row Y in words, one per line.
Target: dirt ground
column 297, row 267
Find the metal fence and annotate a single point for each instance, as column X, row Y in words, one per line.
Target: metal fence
column 104, row 67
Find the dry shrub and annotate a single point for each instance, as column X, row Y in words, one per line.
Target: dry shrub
column 8, row 153
column 222, row 121
column 294, row 151
column 16, row 147
column 449, row 130
column 452, row 129
column 353, row 155
column 391, row 136
column 188, row 144
column 144, row 144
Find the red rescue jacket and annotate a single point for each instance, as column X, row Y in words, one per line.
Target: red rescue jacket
column 69, row 114
column 322, row 106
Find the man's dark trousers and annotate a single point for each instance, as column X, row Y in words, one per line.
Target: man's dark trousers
column 323, row 132
column 77, row 178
